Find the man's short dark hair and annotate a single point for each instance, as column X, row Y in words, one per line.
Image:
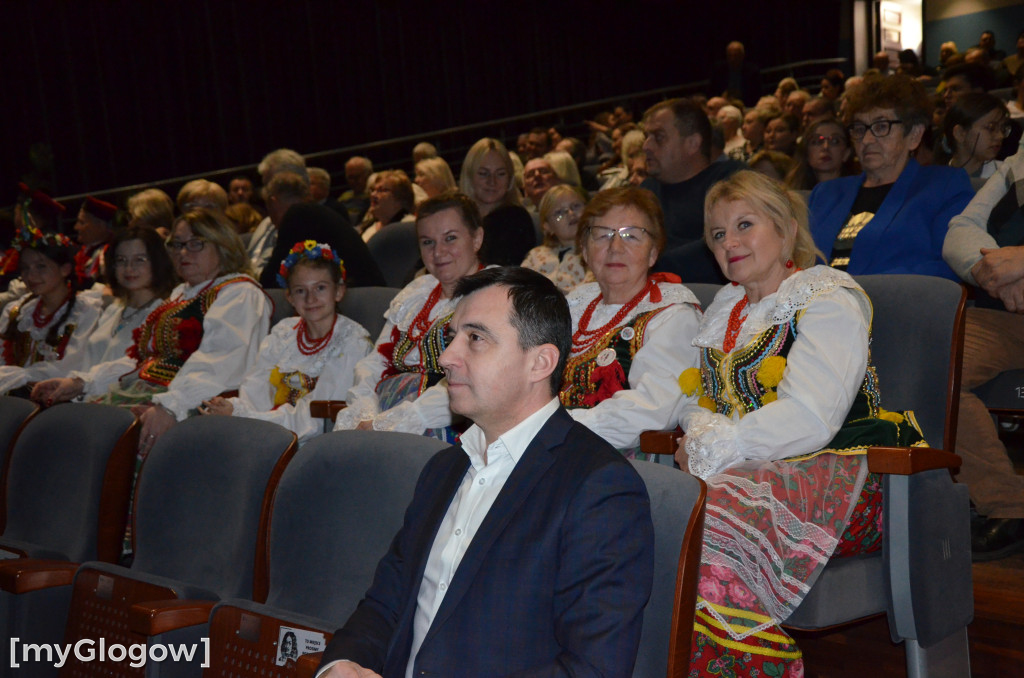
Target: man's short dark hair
column 978, row 76
column 540, row 313
column 690, row 119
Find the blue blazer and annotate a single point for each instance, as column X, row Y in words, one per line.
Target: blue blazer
column 906, row 234
column 553, row 584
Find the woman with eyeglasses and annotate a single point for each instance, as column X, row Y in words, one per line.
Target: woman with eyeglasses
column 194, row 346
column 632, row 329
column 140, row 275
column 974, row 129
column 893, row 217
column 822, row 154
column 558, row 258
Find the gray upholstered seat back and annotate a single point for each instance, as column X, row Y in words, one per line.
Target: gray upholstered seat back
column 913, row 365
column 395, row 249
column 674, row 497
column 55, row 477
column 199, row 501
column 339, row 504
column 705, row 292
column 282, row 307
column 366, row 305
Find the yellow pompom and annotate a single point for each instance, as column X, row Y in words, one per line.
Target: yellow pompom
column 309, row 244
column 894, row 417
column 769, row 397
column 769, row 374
column 707, row 403
column 690, row 383
column 280, row 388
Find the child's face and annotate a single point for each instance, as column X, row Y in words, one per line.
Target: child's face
column 42, row 275
column 565, row 218
column 313, row 293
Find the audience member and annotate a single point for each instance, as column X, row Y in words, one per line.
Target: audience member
column 240, row 190
column 730, row 119
column 356, row 198
column 538, row 177
column 555, row 496
column 882, row 62
column 714, row 105
column 36, row 209
column 537, row 143
column 422, row 151
column 391, row 201
column 320, row 190
column 94, row 229
column 772, row 164
column 152, row 208
column 558, row 258
column 786, row 86
column 795, row 103
column 578, row 151
column 893, row 217
column 264, row 237
column 202, row 194
column 983, row 246
column 487, row 178
column 678, row 148
column 823, row 154
column 781, row 134
column 815, row 110
column 754, row 123
column 964, row 78
column 434, row 176
column 736, row 77
column 800, row 413
column 987, row 44
column 832, row 85
column 299, row 362
column 245, row 219
column 632, row 329
column 1014, row 63
column 395, row 385
column 974, row 130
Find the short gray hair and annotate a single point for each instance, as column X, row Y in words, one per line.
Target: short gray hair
column 282, row 160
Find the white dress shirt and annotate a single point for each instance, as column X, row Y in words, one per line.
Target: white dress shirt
column 489, row 468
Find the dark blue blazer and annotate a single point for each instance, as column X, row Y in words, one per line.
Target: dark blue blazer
column 906, row 234
column 553, row 584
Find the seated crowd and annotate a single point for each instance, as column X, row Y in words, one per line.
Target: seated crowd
column 163, row 306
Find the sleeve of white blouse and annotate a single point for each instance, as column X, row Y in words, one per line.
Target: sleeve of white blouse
column 362, row 397
column 824, row 371
column 430, row 410
column 233, row 328
column 653, row 396
column 254, row 394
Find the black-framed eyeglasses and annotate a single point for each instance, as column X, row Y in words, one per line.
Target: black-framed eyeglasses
column 192, row 245
column 631, row 235
column 879, row 128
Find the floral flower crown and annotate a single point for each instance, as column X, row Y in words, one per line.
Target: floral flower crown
column 29, row 237
column 309, row 250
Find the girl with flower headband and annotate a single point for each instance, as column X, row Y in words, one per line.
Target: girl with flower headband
column 309, row 358
column 52, row 319
column 784, row 405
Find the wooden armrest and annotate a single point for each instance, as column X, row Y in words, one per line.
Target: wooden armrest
column 160, row 616
column 905, row 461
column 326, row 409
column 28, row 574
column 660, row 442
column 307, row 664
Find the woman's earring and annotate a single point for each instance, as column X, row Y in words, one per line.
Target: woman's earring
column 789, row 263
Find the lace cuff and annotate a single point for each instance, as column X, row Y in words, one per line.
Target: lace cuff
column 711, row 444
column 357, row 411
column 401, row 418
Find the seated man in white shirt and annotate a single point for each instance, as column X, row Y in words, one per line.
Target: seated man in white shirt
column 529, row 547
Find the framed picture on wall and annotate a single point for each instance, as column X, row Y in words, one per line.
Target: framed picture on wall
column 892, row 17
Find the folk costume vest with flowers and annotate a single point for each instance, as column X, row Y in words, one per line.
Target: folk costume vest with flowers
column 172, row 333
column 431, row 345
column 21, row 348
column 602, row 368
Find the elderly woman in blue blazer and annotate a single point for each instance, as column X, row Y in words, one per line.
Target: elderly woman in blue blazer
column 893, row 217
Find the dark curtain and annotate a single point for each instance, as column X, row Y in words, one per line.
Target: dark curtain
column 105, row 94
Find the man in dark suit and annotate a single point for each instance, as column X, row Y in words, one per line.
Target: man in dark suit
column 736, row 77
column 527, row 548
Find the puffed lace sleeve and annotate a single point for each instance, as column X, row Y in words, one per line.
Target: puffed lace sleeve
column 824, row 371
column 233, row 327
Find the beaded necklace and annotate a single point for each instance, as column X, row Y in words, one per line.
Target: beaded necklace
column 309, row 346
column 421, row 323
column 584, row 336
column 40, row 319
column 732, row 331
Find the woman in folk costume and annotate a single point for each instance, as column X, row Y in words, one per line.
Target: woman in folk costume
column 396, row 385
column 194, row 346
column 788, row 405
column 631, row 329
column 309, row 358
column 53, row 319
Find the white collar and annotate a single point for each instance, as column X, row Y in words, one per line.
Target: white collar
column 514, row 441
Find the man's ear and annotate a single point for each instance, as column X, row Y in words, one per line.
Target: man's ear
column 545, row 361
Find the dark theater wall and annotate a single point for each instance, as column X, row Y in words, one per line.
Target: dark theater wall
column 131, row 92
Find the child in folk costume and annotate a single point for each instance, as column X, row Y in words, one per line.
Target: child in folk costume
column 312, row 357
